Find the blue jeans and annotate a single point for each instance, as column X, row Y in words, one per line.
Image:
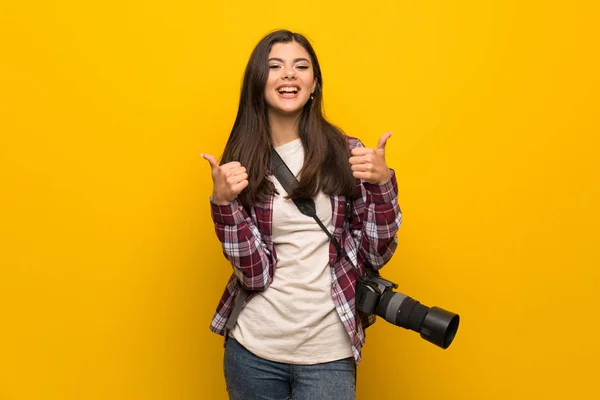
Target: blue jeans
column 249, row 377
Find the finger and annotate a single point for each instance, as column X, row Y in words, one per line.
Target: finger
column 238, row 187
column 362, row 175
column 231, row 164
column 361, row 151
column 367, row 167
column 234, row 176
column 236, row 171
column 360, row 159
column 235, row 179
column 211, row 160
column 383, row 140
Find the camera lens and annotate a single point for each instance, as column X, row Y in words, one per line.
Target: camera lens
column 435, row 324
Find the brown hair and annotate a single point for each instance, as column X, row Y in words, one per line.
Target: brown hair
column 326, row 165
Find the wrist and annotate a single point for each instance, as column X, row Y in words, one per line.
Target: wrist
column 219, row 200
column 385, row 179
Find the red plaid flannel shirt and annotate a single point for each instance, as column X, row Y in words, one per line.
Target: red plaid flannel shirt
column 368, row 235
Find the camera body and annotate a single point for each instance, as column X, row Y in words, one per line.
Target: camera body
column 376, row 295
column 369, row 292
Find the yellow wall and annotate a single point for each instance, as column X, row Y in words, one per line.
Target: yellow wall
column 110, row 269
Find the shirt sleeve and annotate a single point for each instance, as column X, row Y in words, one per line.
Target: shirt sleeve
column 243, row 245
column 375, row 220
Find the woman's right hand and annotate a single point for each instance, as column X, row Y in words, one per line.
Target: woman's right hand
column 228, row 180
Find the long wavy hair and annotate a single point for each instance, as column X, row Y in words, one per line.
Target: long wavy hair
column 326, row 167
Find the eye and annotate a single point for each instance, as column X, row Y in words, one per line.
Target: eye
column 274, row 66
column 302, row 67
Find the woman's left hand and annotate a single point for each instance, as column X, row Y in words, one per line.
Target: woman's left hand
column 369, row 164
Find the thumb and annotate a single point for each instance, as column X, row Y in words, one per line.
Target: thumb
column 383, row 140
column 211, row 160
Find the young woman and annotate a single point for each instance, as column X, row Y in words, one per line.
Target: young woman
column 298, row 334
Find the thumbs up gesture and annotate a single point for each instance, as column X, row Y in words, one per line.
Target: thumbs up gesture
column 228, row 180
column 369, row 164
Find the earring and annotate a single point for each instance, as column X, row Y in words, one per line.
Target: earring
column 311, row 95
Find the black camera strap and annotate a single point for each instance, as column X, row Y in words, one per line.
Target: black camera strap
column 306, row 206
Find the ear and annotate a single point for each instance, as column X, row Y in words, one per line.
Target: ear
column 314, row 85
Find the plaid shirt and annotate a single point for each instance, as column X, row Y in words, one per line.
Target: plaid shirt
column 368, row 236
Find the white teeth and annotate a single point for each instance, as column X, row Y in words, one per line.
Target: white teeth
column 288, row 89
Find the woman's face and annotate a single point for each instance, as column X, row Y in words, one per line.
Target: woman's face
column 291, row 78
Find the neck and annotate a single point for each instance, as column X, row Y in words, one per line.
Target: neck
column 283, row 128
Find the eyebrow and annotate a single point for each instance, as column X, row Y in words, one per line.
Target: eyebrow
column 295, row 60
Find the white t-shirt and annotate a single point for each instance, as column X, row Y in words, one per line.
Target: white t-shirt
column 294, row 320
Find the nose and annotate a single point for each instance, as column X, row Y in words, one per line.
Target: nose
column 289, row 72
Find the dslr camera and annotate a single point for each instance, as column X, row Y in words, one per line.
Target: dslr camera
column 375, row 295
